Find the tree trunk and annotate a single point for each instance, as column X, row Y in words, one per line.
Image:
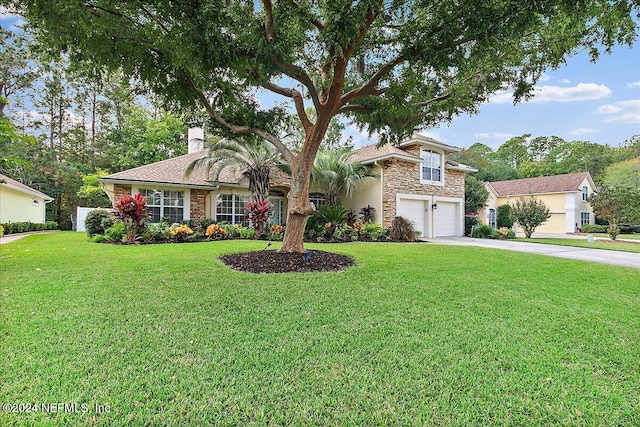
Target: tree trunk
column 299, row 207
column 298, row 198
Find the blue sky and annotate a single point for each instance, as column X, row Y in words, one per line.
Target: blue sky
column 579, row 101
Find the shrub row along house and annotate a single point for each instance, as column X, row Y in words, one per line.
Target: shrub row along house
column 414, row 180
column 565, row 195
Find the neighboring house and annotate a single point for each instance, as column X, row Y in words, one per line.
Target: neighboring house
column 415, row 180
column 21, row 203
column 565, row 195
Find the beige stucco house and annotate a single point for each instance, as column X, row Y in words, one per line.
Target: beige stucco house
column 565, row 195
column 414, row 180
column 21, row 203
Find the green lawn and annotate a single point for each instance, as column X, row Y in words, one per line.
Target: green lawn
column 583, row 243
column 415, row 334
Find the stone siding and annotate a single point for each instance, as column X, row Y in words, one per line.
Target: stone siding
column 120, row 190
column 404, row 177
column 197, row 203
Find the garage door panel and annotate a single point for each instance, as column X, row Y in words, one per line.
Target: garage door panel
column 446, row 219
column 414, row 211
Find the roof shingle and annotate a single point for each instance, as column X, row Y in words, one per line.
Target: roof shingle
column 540, row 185
column 171, row 171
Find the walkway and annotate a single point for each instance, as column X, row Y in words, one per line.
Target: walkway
column 13, row 237
column 626, row 259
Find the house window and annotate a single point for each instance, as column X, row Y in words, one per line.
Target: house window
column 431, row 166
column 164, row 204
column 318, row 199
column 585, row 193
column 230, row 208
column 492, row 218
column 585, row 218
column 276, row 215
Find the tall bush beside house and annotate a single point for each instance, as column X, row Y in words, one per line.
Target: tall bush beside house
column 1, row 231
column 132, row 210
column 402, row 229
column 95, row 222
column 616, row 205
column 530, row 213
column 505, row 217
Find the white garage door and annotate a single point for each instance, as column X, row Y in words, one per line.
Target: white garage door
column 446, row 219
column 414, row 211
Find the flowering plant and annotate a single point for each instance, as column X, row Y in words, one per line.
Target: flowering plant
column 215, row 232
column 132, row 210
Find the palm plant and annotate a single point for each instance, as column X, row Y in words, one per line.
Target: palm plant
column 335, row 173
column 253, row 156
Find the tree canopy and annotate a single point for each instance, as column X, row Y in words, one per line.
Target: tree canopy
column 389, row 66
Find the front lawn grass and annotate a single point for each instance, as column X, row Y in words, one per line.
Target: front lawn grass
column 612, row 245
column 415, row 334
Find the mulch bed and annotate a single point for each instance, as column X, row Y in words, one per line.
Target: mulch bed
column 276, row 262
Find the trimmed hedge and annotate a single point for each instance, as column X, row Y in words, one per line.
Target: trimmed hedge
column 25, row 227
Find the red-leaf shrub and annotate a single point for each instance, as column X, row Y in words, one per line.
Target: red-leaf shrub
column 132, row 210
column 259, row 213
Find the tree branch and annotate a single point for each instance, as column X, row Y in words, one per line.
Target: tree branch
column 297, row 100
column 298, row 74
column 369, row 87
column 240, row 130
column 268, row 20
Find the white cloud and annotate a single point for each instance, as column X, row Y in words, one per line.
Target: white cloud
column 544, row 94
column 582, row 131
column 622, row 112
column 544, row 78
column 565, row 81
column 633, row 84
column 502, row 136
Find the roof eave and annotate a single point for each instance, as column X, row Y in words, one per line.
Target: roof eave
column 165, row 184
column 422, row 140
column 30, row 192
column 390, row 157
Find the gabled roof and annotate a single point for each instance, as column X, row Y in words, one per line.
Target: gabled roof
column 540, row 185
column 171, row 172
column 371, row 153
column 18, row 186
column 416, row 138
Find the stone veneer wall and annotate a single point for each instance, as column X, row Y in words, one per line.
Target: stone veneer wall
column 404, row 177
column 120, row 190
column 197, row 202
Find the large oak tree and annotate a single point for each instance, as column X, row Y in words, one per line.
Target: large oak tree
column 391, row 66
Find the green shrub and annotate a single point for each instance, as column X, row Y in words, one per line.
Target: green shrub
column 248, row 233
column 117, row 232
column 154, row 233
column 93, row 222
column 99, row 238
column 1, row 230
column 371, row 230
column 483, row 231
column 511, row 234
column 402, row 229
column 589, row 228
column 469, row 223
column 613, row 231
column 504, row 217
column 496, row 234
column 51, row 225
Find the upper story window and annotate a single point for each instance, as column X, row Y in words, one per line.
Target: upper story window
column 431, row 167
column 585, row 193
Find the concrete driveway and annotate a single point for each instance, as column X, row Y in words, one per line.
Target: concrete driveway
column 626, row 259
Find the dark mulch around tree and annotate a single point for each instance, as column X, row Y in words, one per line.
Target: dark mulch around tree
column 276, row 262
